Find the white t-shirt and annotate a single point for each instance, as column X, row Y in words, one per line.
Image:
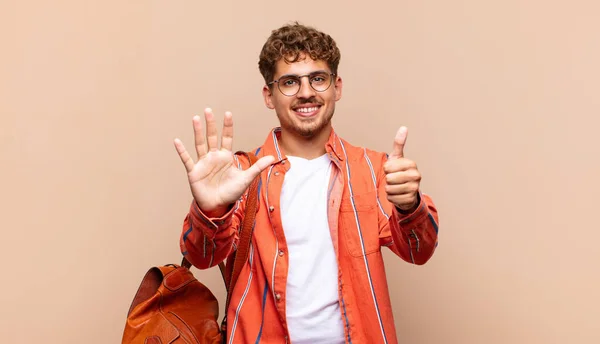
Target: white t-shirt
column 312, row 306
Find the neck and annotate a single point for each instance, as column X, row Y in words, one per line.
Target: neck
column 304, row 147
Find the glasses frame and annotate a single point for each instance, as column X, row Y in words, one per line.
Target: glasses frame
column 300, row 78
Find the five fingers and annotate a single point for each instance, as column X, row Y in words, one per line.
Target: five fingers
column 209, row 141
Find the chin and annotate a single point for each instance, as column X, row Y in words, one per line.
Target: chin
column 311, row 130
column 306, row 133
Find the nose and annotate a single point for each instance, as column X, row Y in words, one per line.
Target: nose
column 306, row 90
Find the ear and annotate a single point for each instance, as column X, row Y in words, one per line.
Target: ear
column 266, row 91
column 338, row 88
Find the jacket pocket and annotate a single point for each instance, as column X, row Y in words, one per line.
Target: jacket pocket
column 358, row 223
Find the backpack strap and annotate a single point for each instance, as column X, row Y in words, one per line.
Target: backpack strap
column 243, row 248
column 231, row 273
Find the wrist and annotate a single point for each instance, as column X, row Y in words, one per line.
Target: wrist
column 408, row 209
column 217, row 212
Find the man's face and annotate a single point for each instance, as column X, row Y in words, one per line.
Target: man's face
column 308, row 112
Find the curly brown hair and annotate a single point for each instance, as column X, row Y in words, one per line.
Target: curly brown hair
column 293, row 42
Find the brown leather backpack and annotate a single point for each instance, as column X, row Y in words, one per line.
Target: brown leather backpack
column 172, row 306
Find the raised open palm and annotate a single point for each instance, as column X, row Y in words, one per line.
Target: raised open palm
column 215, row 181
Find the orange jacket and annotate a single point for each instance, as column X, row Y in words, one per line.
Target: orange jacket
column 361, row 220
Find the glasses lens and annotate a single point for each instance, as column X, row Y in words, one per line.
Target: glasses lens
column 289, row 85
column 320, row 81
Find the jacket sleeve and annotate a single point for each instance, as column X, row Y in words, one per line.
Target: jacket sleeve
column 206, row 242
column 414, row 236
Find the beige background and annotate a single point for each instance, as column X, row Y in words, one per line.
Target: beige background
column 500, row 97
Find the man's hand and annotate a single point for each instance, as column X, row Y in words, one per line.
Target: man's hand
column 215, row 181
column 402, row 176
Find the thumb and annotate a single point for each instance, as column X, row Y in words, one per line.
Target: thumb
column 399, row 141
column 259, row 166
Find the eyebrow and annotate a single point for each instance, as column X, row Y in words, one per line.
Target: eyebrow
column 311, row 73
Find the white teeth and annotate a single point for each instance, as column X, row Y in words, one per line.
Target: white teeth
column 306, row 110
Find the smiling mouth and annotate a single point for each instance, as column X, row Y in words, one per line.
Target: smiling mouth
column 307, row 111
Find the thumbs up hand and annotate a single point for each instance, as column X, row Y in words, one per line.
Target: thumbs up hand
column 402, row 176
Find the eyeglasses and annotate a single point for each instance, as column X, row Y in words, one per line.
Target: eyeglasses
column 290, row 85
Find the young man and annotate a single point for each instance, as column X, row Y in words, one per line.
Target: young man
column 315, row 270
